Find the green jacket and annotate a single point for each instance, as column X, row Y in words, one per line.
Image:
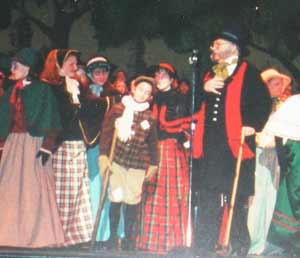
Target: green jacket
column 40, row 110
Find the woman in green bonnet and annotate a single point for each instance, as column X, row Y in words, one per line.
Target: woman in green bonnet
column 29, row 121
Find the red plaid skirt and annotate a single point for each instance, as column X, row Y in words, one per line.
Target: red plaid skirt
column 72, row 192
column 164, row 208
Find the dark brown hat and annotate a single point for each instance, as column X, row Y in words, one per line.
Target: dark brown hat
column 143, row 78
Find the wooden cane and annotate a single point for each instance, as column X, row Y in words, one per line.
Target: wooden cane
column 104, row 190
column 234, row 191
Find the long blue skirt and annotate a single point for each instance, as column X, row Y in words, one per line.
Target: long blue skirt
column 95, row 191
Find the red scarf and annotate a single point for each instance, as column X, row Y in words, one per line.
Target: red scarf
column 14, row 99
column 233, row 121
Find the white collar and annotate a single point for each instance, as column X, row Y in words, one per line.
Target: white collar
column 232, row 65
column 124, row 123
column 131, row 104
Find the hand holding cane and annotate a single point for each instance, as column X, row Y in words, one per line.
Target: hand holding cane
column 106, row 174
column 225, row 243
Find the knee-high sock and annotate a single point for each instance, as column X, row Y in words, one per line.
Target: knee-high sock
column 130, row 220
column 114, row 215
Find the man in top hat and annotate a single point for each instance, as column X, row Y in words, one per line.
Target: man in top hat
column 233, row 98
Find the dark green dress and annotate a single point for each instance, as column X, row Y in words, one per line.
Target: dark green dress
column 285, row 226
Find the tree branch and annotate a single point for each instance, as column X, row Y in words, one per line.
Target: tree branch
column 286, row 62
column 57, row 5
column 80, row 11
column 42, row 26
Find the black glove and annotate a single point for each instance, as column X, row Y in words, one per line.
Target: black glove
column 44, row 156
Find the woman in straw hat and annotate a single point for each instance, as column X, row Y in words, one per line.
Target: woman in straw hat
column 267, row 167
column 284, row 231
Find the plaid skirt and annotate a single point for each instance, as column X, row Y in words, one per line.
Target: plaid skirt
column 72, row 192
column 164, row 207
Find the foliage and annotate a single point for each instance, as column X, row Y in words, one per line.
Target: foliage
column 64, row 13
column 182, row 24
column 277, row 24
column 119, row 21
column 21, row 33
column 187, row 24
column 5, row 14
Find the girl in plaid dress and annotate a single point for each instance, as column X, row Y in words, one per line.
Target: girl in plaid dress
column 164, row 210
column 70, row 161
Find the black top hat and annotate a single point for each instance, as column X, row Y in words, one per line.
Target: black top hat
column 236, row 34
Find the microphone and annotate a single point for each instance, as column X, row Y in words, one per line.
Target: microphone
column 194, row 58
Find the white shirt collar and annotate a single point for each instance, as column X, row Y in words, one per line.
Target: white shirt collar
column 231, row 67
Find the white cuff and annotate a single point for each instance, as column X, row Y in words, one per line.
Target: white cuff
column 46, row 151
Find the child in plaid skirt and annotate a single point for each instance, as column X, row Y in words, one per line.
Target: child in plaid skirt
column 164, row 210
column 135, row 152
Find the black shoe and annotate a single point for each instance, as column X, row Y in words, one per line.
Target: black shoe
column 101, row 245
column 113, row 244
column 240, row 251
column 85, row 245
column 128, row 245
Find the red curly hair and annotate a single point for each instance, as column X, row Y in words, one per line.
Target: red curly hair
column 50, row 74
column 54, row 63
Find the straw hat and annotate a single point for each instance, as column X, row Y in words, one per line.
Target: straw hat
column 273, row 73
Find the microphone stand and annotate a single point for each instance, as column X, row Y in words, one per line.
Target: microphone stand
column 193, row 61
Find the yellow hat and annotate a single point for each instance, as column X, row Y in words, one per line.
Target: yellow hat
column 270, row 73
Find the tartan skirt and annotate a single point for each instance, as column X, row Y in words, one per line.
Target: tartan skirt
column 72, row 192
column 164, row 208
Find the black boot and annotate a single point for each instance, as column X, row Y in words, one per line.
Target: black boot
column 114, row 216
column 128, row 242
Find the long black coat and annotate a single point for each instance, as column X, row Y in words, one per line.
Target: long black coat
column 217, row 165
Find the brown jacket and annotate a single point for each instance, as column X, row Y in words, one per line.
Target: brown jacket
column 141, row 149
